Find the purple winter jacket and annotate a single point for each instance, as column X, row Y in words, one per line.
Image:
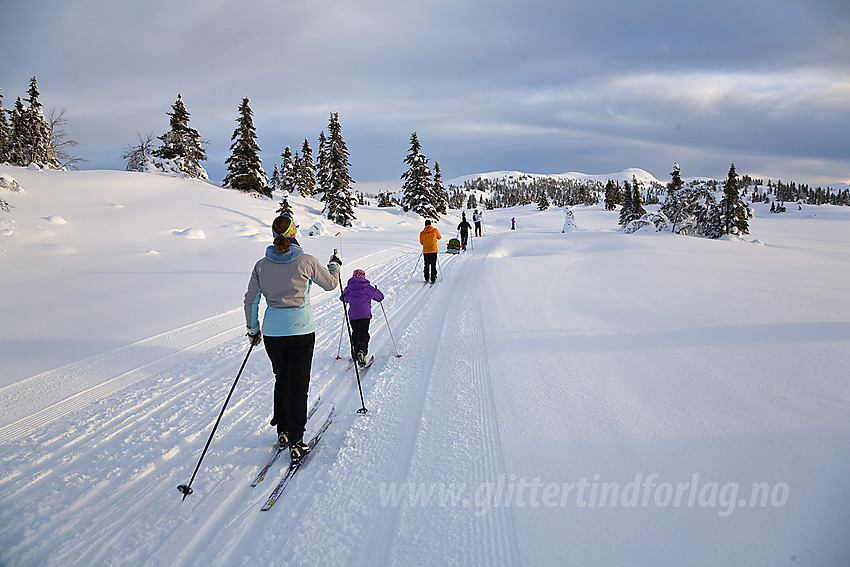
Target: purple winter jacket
column 359, row 295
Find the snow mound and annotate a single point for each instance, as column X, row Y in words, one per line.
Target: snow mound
column 55, row 219
column 9, row 183
column 318, row 228
column 175, row 166
column 193, row 233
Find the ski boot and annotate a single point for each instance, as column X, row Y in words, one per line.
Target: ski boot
column 298, row 450
column 282, row 440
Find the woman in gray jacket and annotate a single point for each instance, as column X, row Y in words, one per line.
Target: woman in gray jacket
column 284, row 277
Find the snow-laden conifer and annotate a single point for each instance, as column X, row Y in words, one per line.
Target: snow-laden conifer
column 244, row 166
column 181, row 143
column 339, row 202
column 306, row 183
column 416, row 189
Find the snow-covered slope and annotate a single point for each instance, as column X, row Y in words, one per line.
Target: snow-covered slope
column 587, row 398
column 625, row 175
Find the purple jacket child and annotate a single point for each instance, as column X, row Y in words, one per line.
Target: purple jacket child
column 359, row 294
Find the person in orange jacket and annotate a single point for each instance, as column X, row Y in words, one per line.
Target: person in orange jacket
column 428, row 239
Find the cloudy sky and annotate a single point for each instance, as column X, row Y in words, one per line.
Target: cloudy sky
column 541, row 86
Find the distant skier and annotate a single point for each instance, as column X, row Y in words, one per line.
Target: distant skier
column 513, row 223
column 284, row 277
column 464, row 227
column 477, row 219
column 428, row 239
column 359, row 294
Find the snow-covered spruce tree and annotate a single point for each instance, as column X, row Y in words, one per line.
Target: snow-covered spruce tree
column 439, row 197
column 543, row 201
column 285, row 208
column 637, row 202
column 244, row 166
column 339, row 203
column 678, row 207
column 385, row 200
column 5, row 136
column 734, row 213
column 612, row 195
column 569, row 221
column 275, row 182
column 296, row 170
column 182, row 143
column 323, row 158
column 287, row 171
column 626, row 211
column 306, row 171
column 416, row 188
column 30, row 139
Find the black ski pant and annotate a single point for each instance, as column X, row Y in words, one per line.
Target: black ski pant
column 477, row 228
column 430, row 266
column 292, row 359
column 464, row 236
column 360, row 335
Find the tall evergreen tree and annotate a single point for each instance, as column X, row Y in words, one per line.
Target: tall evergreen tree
column 323, row 159
column 626, row 211
column 416, row 188
column 612, row 195
column 734, row 212
column 31, row 132
column 637, row 202
column 287, row 171
column 439, row 197
column 306, row 171
column 5, row 135
column 182, row 143
column 543, row 201
column 338, row 199
column 244, row 166
column 275, row 183
column 679, row 203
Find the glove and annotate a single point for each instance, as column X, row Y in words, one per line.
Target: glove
column 334, row 263
column 255, row 336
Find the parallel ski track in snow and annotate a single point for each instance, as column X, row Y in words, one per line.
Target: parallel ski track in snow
column 103, row 454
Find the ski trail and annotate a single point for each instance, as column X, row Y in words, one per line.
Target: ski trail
column 458, row 427
column 51, row 395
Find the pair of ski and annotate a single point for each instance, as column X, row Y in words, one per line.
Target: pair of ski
column 364, row 367
column 294, row 465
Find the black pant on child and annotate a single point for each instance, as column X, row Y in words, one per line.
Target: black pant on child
column 360, row 335
column 292, row 359
column 430, row 266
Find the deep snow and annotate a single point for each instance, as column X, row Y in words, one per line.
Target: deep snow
column 586, row 398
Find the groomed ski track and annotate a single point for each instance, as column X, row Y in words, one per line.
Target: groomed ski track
column 140, row 416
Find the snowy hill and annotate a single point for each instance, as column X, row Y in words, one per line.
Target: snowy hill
column 587, row 398
column 625, row 175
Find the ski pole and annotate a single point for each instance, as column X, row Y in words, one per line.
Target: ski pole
column 381, row 303
column 186, row 489
column 414, row 268
column 339, row 347
column 351, row 341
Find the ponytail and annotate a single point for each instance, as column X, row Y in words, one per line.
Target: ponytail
column 281, row 227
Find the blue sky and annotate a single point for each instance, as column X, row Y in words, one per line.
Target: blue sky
column 535, row 86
